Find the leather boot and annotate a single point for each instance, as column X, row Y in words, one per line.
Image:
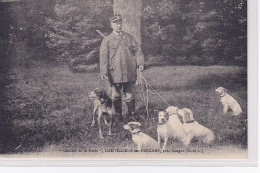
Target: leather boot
column 131, row 111
column 118, row 108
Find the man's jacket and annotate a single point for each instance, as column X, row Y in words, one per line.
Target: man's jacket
column 119, row 57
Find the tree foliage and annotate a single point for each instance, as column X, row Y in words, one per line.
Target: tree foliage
column 196, row 32
column 72, row 31
column 24, row 26
column 202, row 32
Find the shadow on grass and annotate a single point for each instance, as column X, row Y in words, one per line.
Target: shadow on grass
column 66, row 113
column 232, row 82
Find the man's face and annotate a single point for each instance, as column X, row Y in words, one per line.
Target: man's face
column 117, row 26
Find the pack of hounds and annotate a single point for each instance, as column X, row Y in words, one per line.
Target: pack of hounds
column 169, row 124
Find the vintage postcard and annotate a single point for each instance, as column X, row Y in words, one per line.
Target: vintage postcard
column 124, row 80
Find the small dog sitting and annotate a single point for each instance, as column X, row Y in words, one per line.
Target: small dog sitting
column 170, row 126
column 102, row 106
column 228, row 102
column 194, row 129
column 142, row 140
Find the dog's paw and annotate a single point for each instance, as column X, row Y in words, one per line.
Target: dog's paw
column 92, row 124
column 224, row 113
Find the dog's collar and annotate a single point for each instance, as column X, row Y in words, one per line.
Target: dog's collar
column 190, row 121
column 173, row 114
column 162, row 123
column 103, row 100
column 136, row 132
column 222, row 95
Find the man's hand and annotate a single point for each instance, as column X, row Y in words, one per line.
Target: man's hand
column 141, row 67
column 103, row 77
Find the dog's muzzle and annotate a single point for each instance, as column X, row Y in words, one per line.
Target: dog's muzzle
column 163, row 121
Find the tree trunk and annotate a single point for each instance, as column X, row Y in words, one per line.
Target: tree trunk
column 131, row 14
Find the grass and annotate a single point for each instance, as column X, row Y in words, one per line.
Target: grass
column 50, row 111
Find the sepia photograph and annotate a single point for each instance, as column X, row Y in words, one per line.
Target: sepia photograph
column 124, row 79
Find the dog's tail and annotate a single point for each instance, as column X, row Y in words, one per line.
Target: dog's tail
column 187, row 140
column 238, row 112
column 209, row 138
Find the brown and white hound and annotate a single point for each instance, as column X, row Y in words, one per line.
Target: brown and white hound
column 103, row 106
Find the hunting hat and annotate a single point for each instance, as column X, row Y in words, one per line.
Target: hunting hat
column 116, row 18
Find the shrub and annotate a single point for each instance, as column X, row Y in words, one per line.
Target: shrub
column 73, row 33
column 196, row 30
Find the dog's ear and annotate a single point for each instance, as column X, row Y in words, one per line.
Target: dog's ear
column 106, row 97
column 131, row 127
column 167, row 115
column 103, row 92
column 191, row 114
column 134, row 124
column 224, row 91
column 96, row 91
column 138, row 124
column 100, row 92
column 93, row 95
column 219, row 90
column 167, row 110
column 186, row 116
column 176, row 110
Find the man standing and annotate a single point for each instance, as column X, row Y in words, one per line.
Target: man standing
column 120, row 57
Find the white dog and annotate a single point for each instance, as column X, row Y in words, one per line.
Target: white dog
column 170, row 126
column 164, row 129
column 194, row 129
column 228, row 102
column 142, row 140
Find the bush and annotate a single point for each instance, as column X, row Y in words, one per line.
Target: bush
column 73, row 33
column 172, row 29
column 188, row 32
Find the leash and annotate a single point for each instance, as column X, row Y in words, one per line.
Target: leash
column 146, row 83
column 145, row 98
column 153, row 89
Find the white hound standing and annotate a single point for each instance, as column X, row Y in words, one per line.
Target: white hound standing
column 170, row 126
